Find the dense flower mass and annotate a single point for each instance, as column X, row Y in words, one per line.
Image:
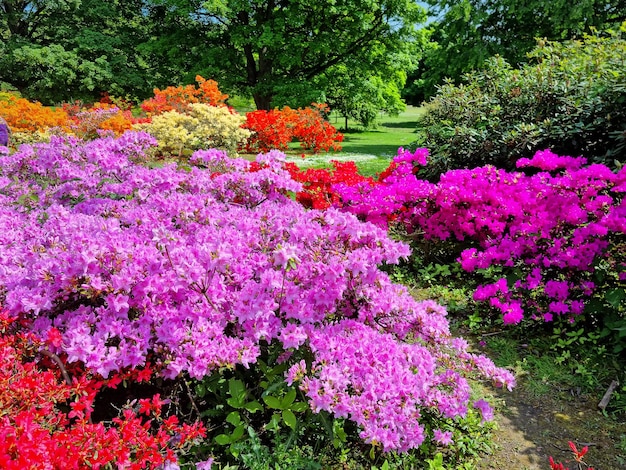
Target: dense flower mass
column 274, row 129
column 317, row 191
column 548, row 227
column 45, row 422
column 198, row 268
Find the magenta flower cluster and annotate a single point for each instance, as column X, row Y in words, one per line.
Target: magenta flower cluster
column 197, row 268
column 550, row 226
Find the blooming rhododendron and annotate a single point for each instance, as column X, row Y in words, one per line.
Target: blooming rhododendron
column 547, row 228
column 197, row 269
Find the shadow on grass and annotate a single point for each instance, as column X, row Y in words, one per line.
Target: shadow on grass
column 400, row 125
column 382, row 145
column 379, row 150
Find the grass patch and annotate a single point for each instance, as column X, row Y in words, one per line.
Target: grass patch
column 372, row 150
column 383, row 141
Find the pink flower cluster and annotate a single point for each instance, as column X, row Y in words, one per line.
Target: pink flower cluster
column 197, row 268
column 549, row 228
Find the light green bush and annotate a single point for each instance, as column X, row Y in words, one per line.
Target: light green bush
column 201, row 126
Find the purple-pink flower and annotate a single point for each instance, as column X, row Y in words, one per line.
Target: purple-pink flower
column 485, row 410
column 443, row 437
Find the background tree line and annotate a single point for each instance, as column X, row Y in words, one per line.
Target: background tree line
column 354, row 55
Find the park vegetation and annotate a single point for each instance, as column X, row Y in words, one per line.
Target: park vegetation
column 168, row 304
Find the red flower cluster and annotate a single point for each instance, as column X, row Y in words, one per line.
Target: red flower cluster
column 276, row 128
column 578, row 457
column 46, row 421
column 318, row 183
column 270, row 131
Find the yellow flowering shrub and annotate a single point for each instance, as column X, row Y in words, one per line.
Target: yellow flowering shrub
column 18, row 138
column 201, row 126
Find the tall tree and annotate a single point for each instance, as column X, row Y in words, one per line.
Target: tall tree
column 74, row 49
column 466, row 32
column 263, row 47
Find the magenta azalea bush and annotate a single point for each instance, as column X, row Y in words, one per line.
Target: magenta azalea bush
column 547, row 228
column 197, row 269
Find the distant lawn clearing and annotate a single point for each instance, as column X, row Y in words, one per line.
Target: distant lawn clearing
column 371, row 150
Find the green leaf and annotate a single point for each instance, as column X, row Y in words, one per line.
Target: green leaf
column 234, row 418
column 253, row 406
column 615, row 297
column 272, row 402
column 222, row 439
column 288, row 399
column 200, row 390
column 299, row 407
column 237, row 391
column 340, row 432
column 237, row 433
column 290, row 419
column 273, row 424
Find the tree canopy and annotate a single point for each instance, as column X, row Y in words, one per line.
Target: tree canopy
column 73, row 49
column 262, row 48
column 277, row 51
column 467, row 32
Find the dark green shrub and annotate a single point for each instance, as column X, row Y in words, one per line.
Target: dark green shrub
column 570, row 98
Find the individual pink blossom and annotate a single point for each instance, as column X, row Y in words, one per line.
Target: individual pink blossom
column 443, row 437
column 485, row 410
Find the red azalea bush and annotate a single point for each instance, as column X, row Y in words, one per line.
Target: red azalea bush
column 45, row 416
column 317, row 192
column 269, row 131
column 276, row 128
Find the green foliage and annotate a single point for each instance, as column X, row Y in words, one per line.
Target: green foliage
column 53, row 73
column 607, row 307
column 464, row 34
column 257, row 421
column 281, row 53
column 264, row 48
column 362, row 96
column 200, row 127
column 69, row 49
column 570, row 100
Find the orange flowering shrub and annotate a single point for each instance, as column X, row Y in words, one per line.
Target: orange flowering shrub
column 25, row 116
column 312, row 130
column 177, row 98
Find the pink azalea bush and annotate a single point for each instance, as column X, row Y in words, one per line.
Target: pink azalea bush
column 546, row 229
column 197, row 269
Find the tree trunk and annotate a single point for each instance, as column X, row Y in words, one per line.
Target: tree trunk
column 262, row 102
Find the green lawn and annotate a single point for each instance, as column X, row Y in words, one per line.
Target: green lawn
column 372, row 150
column 391, row 133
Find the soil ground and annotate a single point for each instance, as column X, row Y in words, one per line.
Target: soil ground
column 532, row 428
